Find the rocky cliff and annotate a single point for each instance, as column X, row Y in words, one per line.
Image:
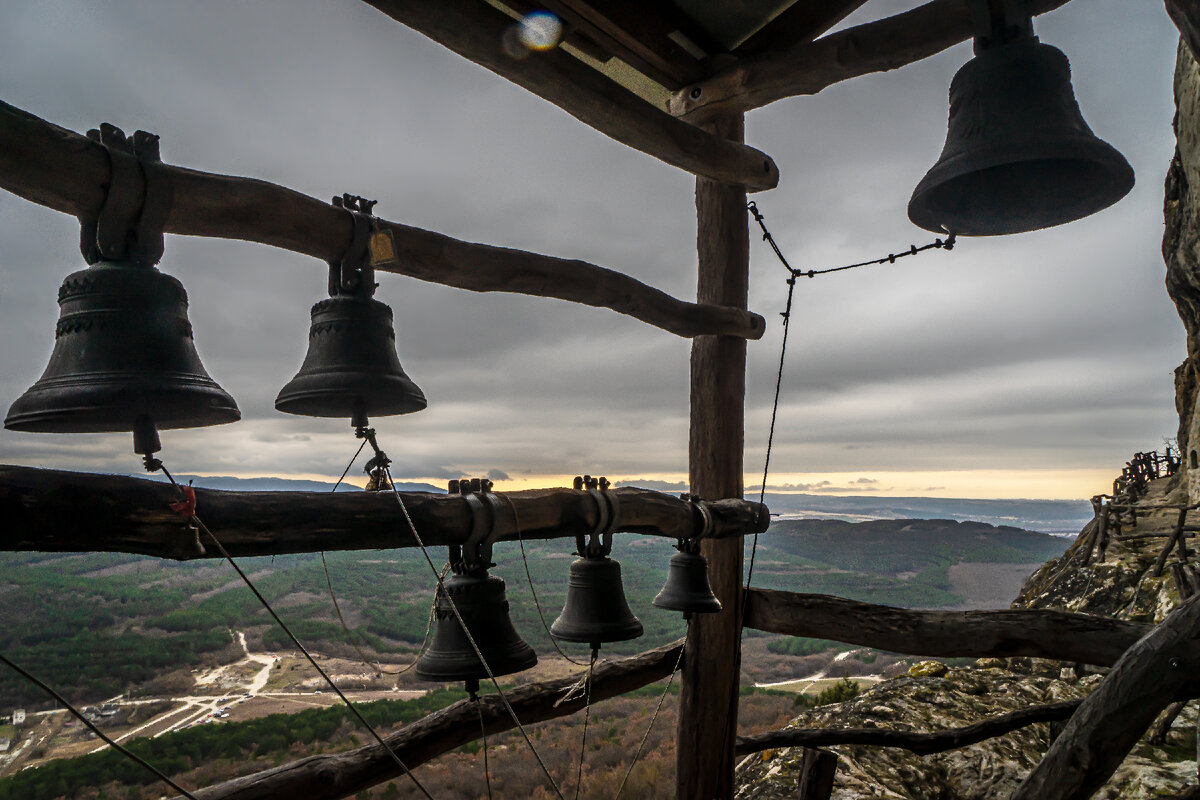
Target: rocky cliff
column 933, row 696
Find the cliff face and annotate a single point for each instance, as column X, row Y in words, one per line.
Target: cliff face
column 933, row 697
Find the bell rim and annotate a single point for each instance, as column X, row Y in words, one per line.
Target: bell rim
column 1119, row 180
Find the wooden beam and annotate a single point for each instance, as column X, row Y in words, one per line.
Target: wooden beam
column 922, row 744
column 475, row 31
column 799, row 23
column 53, row 511
column 945, row 634
column 809, row 68
column 62, row 170
column 1162, row 667
column 709, row 696
column 337, row 775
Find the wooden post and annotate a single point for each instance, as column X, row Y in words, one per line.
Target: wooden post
column 1176, row 536
column 817, row 770
column 708, row 700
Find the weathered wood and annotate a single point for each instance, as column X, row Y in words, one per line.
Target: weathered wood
column 1026, row 632
column 709, row 694
column 326, row 777
column 62, row 170
column 809, row 68
column 1186, row 16
column 476, row 30
column 1176, row 537
column 817, row 770
column 1161, row 667
column 919, row 743
column 1162, row 725
column 52, row 511
column 798, row 23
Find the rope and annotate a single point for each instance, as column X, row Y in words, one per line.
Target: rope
column 350, row 637
column 487, row 775
column 587, row 709
column 471, row 639
column 110, row 742
column 653, row 718
column 198, row 522
column 532, row 590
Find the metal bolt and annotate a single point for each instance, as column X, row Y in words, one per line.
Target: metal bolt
column 694, row 93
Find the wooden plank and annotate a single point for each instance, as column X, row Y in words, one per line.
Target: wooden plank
column 53, row 511
column 708, row 699
column 62, row 170
column 878, row 46
column 915, row 742
column 337, row 775
column 799, row 23
column 1162, row 667
column 1041, row 633
column 1176, row 536
column 475, row 30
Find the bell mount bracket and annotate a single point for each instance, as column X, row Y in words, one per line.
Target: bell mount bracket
column 598, row 543
column 137, row 201
column 475, row 555
column 700, row 509
column 999, row 22
column 353, row 273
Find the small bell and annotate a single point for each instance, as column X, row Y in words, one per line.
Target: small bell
column 687, row 588
column 351, row 368
column 1018, row 155
column 595, row 610
column 123, row 350
column 481, row 601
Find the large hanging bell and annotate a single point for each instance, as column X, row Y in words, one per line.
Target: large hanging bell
column 481, row 602
column 123, row 350
column 1018, row 154
column 595, row 610
column 351, row 366
column 687, row 588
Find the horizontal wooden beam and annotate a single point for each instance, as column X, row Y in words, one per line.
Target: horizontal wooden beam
column 327, row 777
column 62, row 170
column 53, row 511
column 1162, row 667
column 810, row 68
column 920, row 743
column 946, row 634
column 476, row 31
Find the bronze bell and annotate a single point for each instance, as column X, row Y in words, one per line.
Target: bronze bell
column 480, row 600
column 595, row 610
column 1018, row 155
column 687, row 587
column 123, row 350
column 351, row 368
column 351, row 365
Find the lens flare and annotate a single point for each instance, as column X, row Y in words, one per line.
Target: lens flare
column 541, row 30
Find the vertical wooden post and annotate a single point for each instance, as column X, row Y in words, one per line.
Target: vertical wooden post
column 708, row 699
column 817, row 771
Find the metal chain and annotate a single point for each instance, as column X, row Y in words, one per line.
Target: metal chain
column 94, row 729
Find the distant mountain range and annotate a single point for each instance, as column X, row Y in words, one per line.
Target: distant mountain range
column 1063, row 517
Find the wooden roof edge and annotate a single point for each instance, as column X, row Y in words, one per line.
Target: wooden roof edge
column 67, row 172
column 476, row 30
column 807, row 69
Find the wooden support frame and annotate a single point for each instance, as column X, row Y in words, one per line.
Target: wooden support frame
column 810, row 68
column 475, row 31
column 328, row 777
column 60, row 169
column 922, row 744
column 1041, row 633
column 710, row 683
column 52, row 511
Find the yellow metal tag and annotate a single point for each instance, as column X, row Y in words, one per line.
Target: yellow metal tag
column 383, row 248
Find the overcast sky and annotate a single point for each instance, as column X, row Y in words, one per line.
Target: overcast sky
column 1029, row 366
